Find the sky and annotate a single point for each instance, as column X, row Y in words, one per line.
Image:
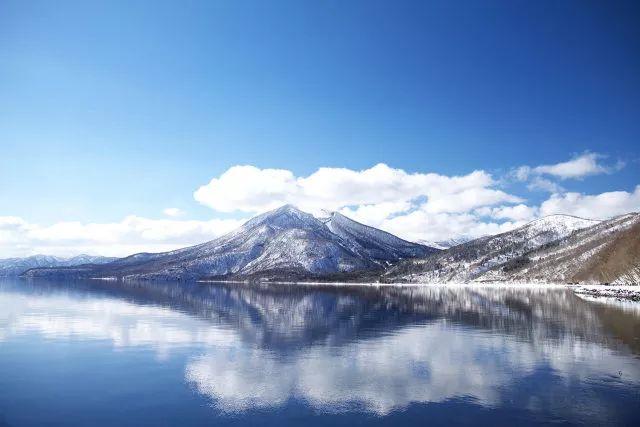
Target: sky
column 131, row 126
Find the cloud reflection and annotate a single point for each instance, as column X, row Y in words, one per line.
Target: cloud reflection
column 373, row 349
column 429, row 363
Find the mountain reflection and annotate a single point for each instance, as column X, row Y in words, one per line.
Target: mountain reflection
column 345, row 348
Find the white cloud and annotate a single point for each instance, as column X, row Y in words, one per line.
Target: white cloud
column 519, row 212
column 521, row 173
column 579, row 167
column 466, row 200
column 376, row 214
column 173, row 212
column 602, row 205
column 249, row 189
column 540, row 177
column 132, row 234
column 539, row 183
column 412, row 205
column 421, row 225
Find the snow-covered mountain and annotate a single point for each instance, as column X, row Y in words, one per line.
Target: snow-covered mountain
column 285, row 243
column 606, row 252
column 556, row 248
column 372, row 242
column 446, row 243
column 17, row 266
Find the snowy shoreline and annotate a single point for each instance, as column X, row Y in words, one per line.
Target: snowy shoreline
column 619, row 292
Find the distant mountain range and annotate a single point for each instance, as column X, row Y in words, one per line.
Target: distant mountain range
column 17, row 266
column 288, row 244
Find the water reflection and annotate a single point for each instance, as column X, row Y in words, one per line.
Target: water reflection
column 355, row 349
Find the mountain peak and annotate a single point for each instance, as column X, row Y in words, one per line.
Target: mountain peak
column 288, row 208
column 286, row 216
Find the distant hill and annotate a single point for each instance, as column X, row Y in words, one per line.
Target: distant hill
column 17, row 266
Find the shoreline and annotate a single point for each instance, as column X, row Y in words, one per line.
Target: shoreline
column 619, row 292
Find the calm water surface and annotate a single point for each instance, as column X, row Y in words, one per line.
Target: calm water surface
column 103, row 353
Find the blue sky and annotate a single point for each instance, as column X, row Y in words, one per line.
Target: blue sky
column 113, row 109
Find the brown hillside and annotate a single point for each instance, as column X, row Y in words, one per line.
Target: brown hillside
column 619, row 260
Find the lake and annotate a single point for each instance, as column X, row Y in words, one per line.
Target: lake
column 108, row 353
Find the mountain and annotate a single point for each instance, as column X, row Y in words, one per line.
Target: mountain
column 604, row 253
column 17, row 266
column 373, row 243
column 557, row 248
column 619, row 260
column 284, row 243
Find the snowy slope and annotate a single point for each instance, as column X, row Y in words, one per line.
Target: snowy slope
column 282, row 242
column 577, row 256
column 372, row 242
column 445, row 244
column 479, row 259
